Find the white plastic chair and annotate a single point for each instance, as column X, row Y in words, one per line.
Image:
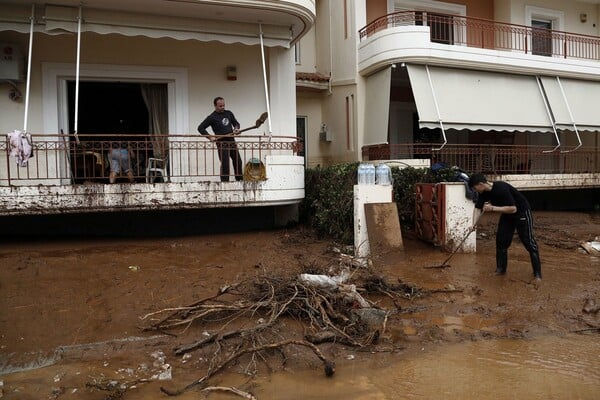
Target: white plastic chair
column 157, row 167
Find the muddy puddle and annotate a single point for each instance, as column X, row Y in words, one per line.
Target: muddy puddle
column 544, row 368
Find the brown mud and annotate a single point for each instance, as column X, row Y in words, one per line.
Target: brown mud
column 70, row 311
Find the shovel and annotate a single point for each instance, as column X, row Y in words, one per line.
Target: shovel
column 261, row 120
column 445, row 263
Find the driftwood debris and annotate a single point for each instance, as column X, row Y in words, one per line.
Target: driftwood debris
column 246, row 319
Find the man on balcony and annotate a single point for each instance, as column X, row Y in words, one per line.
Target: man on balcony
column 223, row 123
column 515, row 213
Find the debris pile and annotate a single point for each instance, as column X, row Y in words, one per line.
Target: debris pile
column 247, row 318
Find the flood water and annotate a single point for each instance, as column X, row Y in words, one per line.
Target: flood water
column 487, row 338
column 545, row 368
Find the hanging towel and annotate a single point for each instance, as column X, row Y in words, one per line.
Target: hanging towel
column 20, row 146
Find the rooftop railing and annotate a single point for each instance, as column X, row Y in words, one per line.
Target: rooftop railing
column 62, row 160
column 493, row 159
column 489, row 34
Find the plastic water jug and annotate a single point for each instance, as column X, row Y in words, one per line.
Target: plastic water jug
column 383, row 175
column 366, row 174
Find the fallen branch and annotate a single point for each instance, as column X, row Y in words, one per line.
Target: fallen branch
column 238, row 332
column 329, row 366
column 233, row 390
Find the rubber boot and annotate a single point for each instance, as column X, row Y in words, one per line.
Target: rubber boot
column 501, row 261
column 536, row 264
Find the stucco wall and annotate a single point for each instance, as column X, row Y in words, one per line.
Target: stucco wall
column 571, row 9
column 477, row 8
column 205, row 63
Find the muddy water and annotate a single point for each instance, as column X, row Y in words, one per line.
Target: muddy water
column 544, row 368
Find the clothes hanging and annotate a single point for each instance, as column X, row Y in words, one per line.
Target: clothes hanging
column 21, row 147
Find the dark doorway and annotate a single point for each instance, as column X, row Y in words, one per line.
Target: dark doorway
column 108, row 112
column 108, row 108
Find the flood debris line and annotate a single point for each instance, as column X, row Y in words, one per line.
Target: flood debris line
column 250, row 318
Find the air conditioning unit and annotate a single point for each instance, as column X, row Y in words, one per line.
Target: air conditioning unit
column 11, row 63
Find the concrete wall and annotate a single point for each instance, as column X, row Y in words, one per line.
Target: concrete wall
column 205, row 64
column 571, row 10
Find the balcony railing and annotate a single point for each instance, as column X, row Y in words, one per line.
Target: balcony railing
column 493, row 159
column 488, row 34
column 61, row 160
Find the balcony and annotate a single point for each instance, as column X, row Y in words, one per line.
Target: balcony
column 420, row 37
column 513, row 163
column 69, row 174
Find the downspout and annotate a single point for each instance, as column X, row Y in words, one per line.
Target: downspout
column 570, row 116
column 32, row 19
column 437, row 110
column 264, row 68
column 330, row 52
column 76, row 123
column 550, row 117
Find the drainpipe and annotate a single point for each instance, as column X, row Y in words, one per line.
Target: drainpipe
column 437, row 110
column 75, row 127
column 32, row 19
column 550, row 117
column 562, row 91
column 262, row 53
column 330, row 52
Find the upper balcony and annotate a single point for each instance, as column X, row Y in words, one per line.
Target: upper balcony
column 230, row 21
column 474, row 43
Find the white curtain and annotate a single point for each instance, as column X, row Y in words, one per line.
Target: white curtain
column 155, row 96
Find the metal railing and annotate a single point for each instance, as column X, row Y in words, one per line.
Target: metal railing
column 493, row 159
column 61, row 160
column 489, row 34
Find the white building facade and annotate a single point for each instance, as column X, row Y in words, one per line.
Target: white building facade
column 504, row 87
column 145, row 72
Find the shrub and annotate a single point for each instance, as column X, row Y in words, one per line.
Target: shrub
column 328, row 204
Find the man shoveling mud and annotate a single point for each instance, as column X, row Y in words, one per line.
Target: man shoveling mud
column 515, row 213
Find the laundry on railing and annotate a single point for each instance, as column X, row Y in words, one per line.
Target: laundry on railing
column 21, row 147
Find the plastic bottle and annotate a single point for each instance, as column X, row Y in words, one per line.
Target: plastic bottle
column 383, row 175
column 362, row 174
column 370, row 168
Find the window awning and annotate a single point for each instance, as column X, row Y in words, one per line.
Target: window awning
column 478, row 100
column 60, row 20
column 573, row 103
column 377, row 98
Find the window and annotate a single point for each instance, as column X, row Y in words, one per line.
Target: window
column 349, row 122
column 301, row 124
column 441, row 26
column 345, row 20
column 543, row 22
column 438, row 16
column 541, row 38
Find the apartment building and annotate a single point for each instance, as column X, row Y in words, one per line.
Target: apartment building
column 507, row 87
column 78, row 77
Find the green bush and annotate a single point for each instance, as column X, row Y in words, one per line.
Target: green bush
column 328, row 204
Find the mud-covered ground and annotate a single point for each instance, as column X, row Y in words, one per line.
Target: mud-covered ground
column 70, row 310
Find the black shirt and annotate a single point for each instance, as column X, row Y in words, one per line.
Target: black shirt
column 221, row 123
column 503, row 194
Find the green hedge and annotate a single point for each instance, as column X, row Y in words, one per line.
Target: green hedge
column 328, row 203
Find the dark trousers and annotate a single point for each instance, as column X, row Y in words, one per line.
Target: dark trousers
column 227, row 149
column 523, row 223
